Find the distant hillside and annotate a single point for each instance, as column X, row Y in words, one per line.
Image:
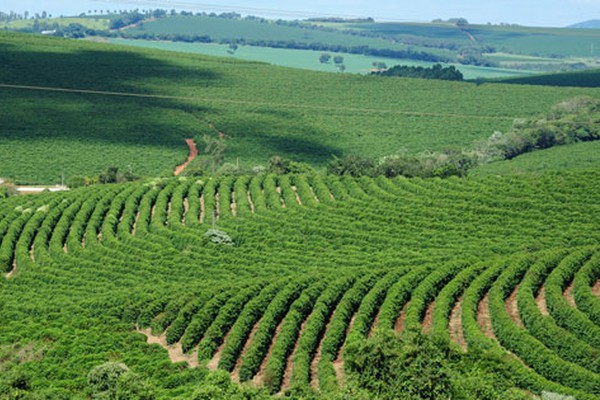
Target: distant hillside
column 589, row 78
column 591, row 24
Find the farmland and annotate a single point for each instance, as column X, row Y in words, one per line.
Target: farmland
column 133, row 108
column 309, row 59
column 107, row 259
column 245, row 285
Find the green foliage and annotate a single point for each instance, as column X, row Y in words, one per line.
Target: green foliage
column 409, row 368
column 115, row 381
column 219, row 237
column 435, row 72
column 337, row 264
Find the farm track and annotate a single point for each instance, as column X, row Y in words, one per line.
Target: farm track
column 193, row 154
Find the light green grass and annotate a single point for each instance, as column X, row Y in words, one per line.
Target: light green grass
column 577, row 156
column 308, row 59
column 98, row 23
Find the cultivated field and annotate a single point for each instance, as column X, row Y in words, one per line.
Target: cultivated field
column 133, row 108
column 502, row 265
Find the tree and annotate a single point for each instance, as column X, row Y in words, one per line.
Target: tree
column 214, row 148
column 338, row 60
column 325, row 57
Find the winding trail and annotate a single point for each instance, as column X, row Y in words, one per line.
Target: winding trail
column 193, row 154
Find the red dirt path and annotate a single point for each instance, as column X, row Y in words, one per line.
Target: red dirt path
column 193, row 153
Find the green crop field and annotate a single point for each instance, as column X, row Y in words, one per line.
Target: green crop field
column 580, row 156
column 303, row 286
column 253, row 30
column 505, row 268
column 309, row 59
column 512, row 39
column 133, row 108
column 589, row 78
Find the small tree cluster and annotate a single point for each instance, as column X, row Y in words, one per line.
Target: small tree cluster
column 435, row 72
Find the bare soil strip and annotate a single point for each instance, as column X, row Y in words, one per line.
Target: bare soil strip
column 233, row 205
column 298, row 199
column 169, row 208
column 399, row 325
column 193, row 154
column 596, row 289
column 186, row 208
column 135, row 222
column 375, row 324
column 427, row 322
column 568, row 294
column 250, row 202
column 32, row 252
column 338, row 364
column 287, row 375
column 235, row 374
column 278, row 190
column 217, row 209
column 202, row 208
column 175, row 351
column 12, row 272
column 314, row 365
column 314, row 194
column 259, row 378
column 483, row 317
column 455, row 325
column 540, row 300
column 213, row 364
column 512, row 307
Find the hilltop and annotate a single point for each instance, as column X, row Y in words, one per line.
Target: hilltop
column 591, row 24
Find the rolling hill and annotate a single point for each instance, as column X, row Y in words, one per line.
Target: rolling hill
column 304, row 285
column 76, row 108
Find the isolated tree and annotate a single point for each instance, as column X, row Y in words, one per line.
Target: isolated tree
column 338, row 60
column 325, row 57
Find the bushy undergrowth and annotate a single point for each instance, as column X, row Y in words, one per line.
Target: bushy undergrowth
column 416, row 366
column 570, row 121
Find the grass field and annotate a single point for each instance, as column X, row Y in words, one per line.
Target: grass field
column 308, row 59
column 234, row 29
column 511, row 39
column 98, row 23
column 322, row 261
column 580, row 156
column 264, row 110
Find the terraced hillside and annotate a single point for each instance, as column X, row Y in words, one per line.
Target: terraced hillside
column 505, row 265
column 75, row 108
